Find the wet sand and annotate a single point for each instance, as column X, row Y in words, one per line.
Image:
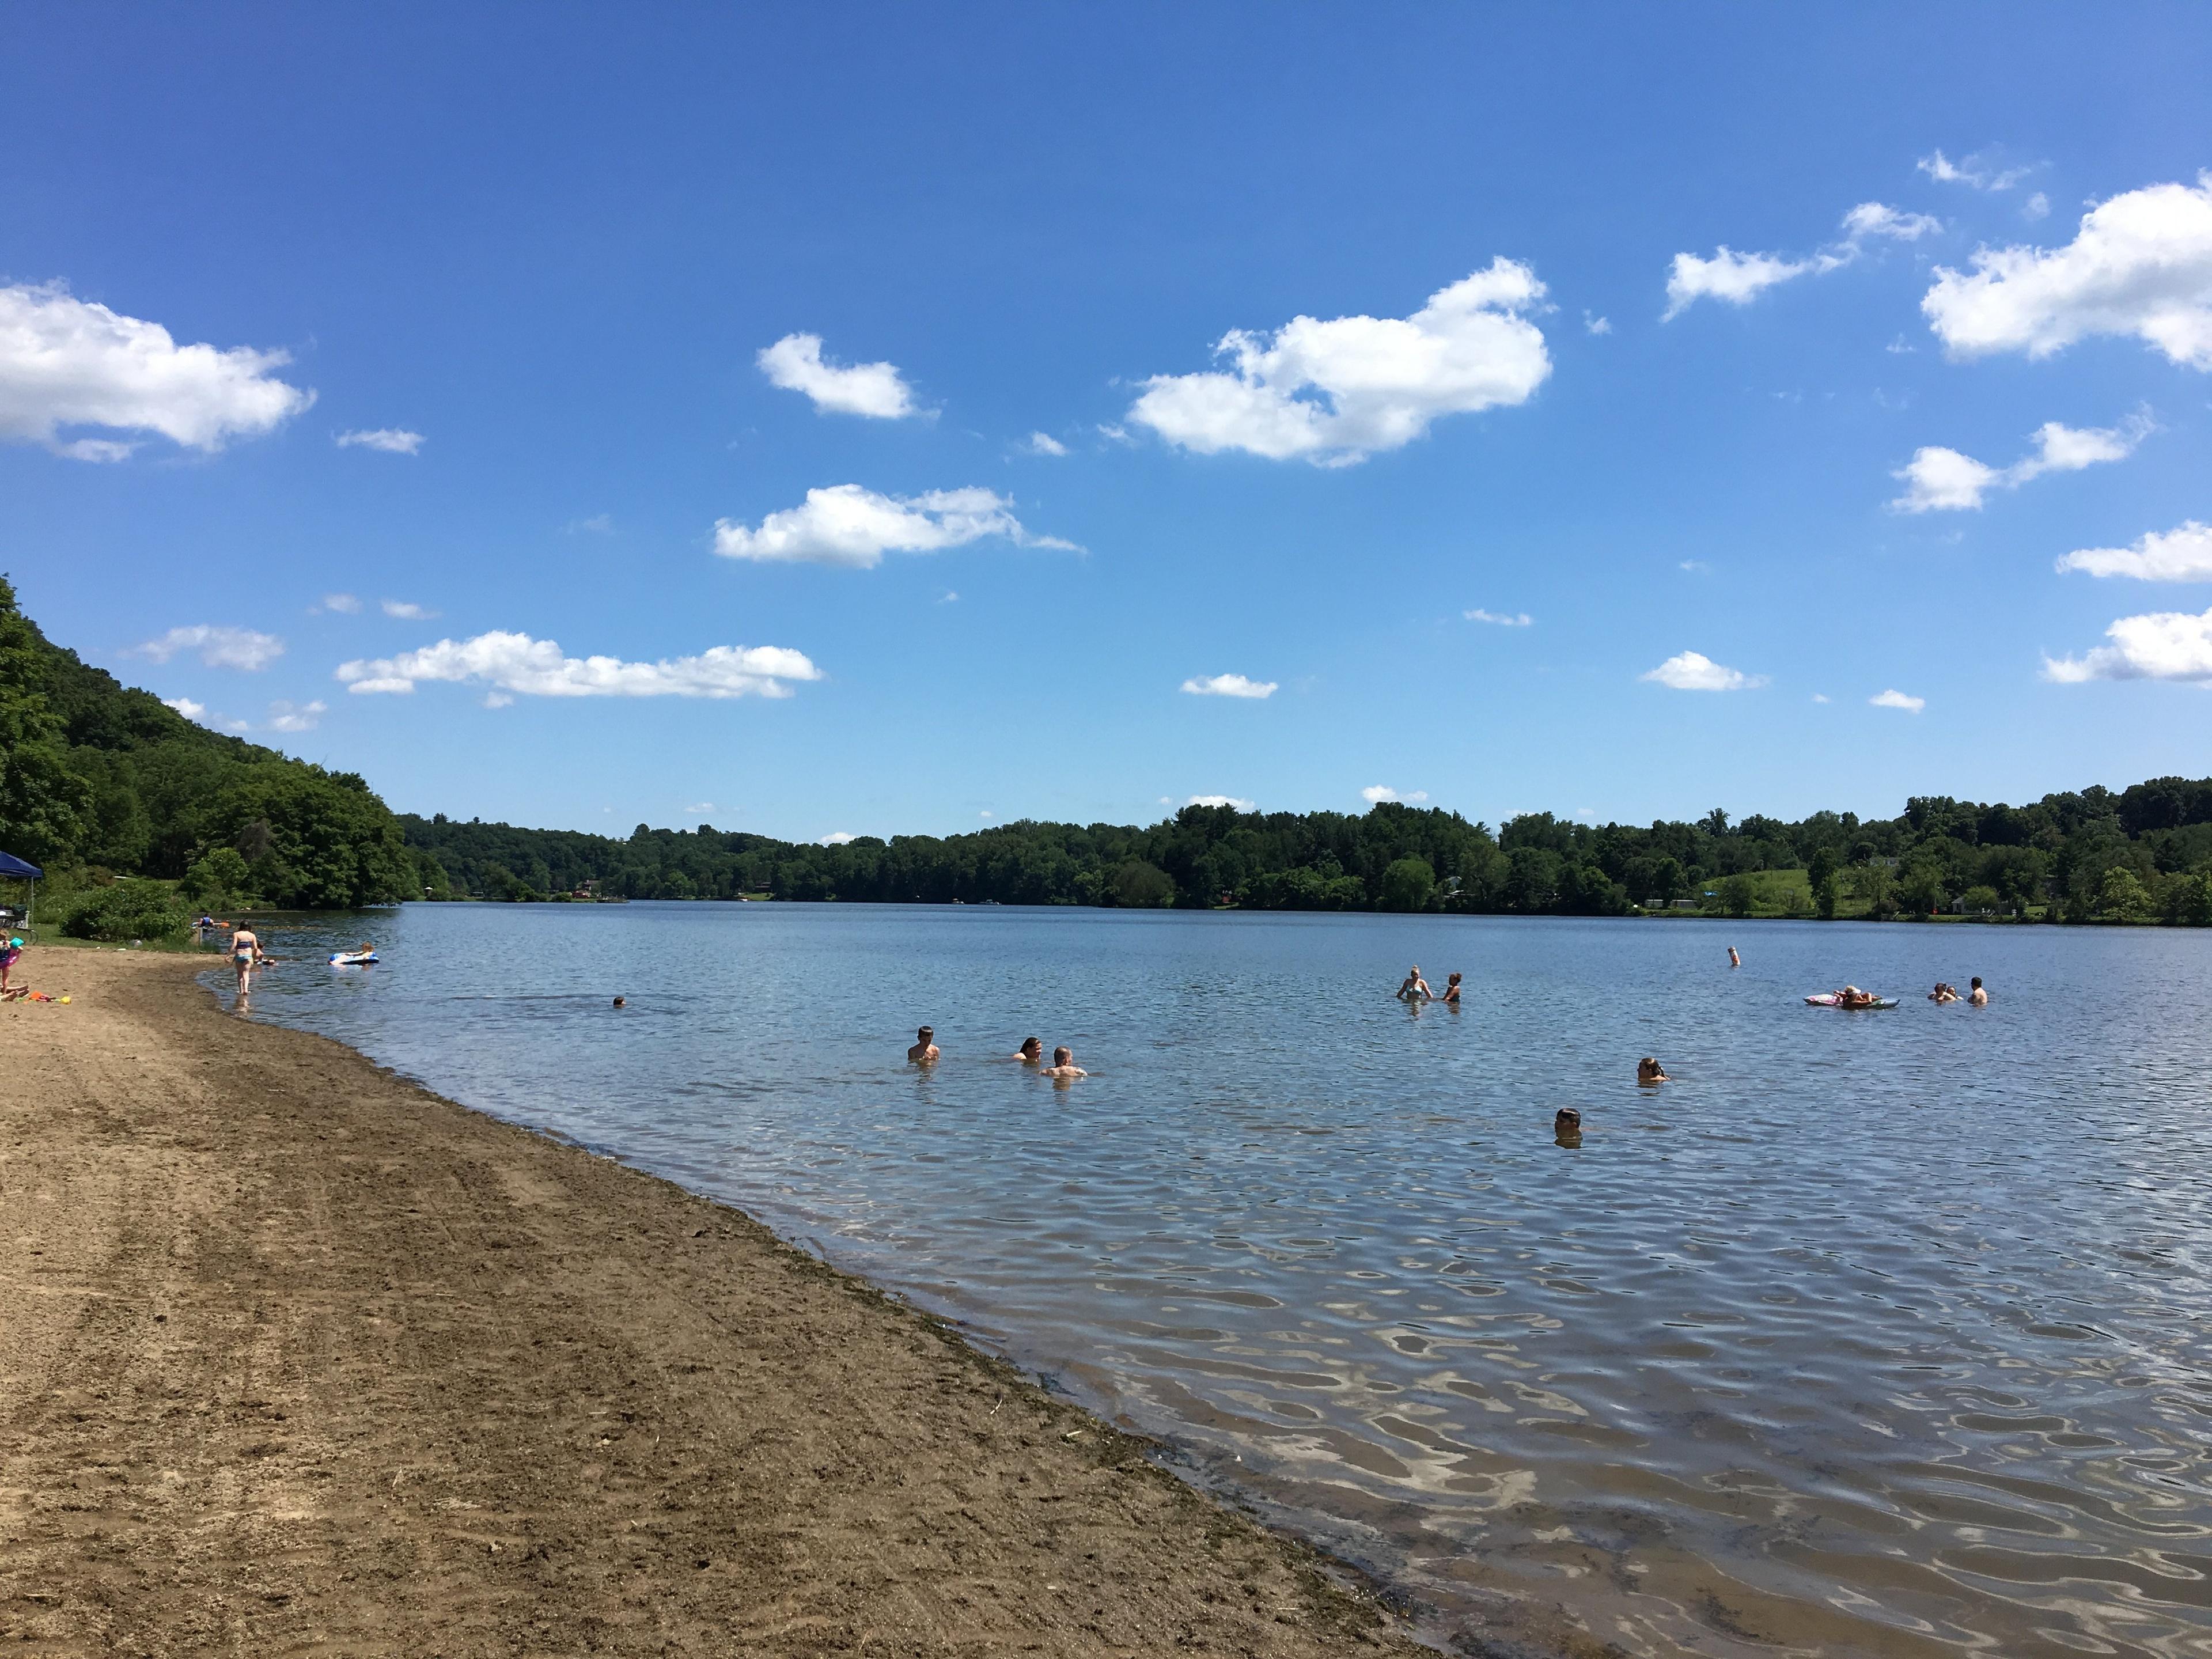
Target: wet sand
column 296, row 1356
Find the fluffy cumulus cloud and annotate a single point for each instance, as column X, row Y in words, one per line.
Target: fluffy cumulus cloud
column 1375, row 794
column 218, row 646
column 1501, row 618
column 295, row 717
column 846, row 524
column 65, row 362
column 1228, row 685
column 344, row 603
column 1896, row 699
column 1236, row 801
column 1692, row 671
column 1940, row 480
column 1336, row 392
column 1737, row 279
column 2140, row 264
column 187, row 707
column 516, row 664
column 408, row 610
column 392, row 439
column 839, row 838
column 2165, row 644
column 795, row 363
column 1043, row 443
column 2180, row 555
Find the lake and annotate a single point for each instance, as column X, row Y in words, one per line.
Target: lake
column 1883, row 1333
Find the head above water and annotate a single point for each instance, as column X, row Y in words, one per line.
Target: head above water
column 926, row 1034
column 620, row 1001
column 1976, row 982
column 1032, row 1048
column 1567, row 1118
column 1062, row 1054
column 1454, row 980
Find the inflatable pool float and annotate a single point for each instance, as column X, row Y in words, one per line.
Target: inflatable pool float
column 353, row 958
column 1828, row 999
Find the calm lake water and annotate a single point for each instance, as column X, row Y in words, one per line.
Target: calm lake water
column 1870, row 1333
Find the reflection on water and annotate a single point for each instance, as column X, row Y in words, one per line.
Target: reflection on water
column 1866, row 1333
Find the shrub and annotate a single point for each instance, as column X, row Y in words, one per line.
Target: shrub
column 1407, row 884
column 128, row 910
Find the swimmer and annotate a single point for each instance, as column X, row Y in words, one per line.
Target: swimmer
column 622, row 1002
column 1031, row 1052
column 1978, row 997
column 1567, row 1127
column 924, row 1052
column 1451, row 991
column 1943, row 992
column 1650, row 1072
column 1415, row 989
column 1851, row 997
column 1735, row 961
column 1063, row 1064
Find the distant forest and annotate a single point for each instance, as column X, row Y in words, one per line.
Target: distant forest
column 2141, row 854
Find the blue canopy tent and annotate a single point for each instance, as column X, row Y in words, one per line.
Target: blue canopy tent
column 15, row 869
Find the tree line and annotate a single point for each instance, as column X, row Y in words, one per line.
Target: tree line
column 2140, row 855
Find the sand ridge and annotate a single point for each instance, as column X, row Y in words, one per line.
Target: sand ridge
column 296, row 1356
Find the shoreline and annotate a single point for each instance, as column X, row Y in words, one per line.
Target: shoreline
column 297, row 1352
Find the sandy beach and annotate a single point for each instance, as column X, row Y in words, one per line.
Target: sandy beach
column 299, row 1357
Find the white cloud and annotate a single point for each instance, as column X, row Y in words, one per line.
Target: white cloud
column 839, row 838
column 1375, row 794
column 1695, row 567
column 1043, row 443
column 392, row 439
column 408, row 610
column 1236, row 801
column 1336, row 392
column 1893, row 699
column 599, row 524
column 699, row 807
column 289, row 717
column 1737, row 279
column 1901, row 348
column 536, row 668
column 1975, row 170
column 219, row 647
column 2036, row 206
column 1597, row 324
column 2165, row 644
column 1942, row 480
column 2180, row 555
column 187, row 707
column 65, row 362
column 1874, row 219
column 1229, row 685
column 501, row 700
column 846, row 524
column 2140, row 264
column 795, row 363
column 1691, row 671
column 344, row 603
column 1820, row 697
column 1501, row 619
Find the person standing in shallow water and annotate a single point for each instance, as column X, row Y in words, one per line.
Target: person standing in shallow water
column 1451, row 992
column 1976, row 995
column 1415, row 989
column 1650, row 1074
column 1063, row 1065
column 1735, row 961
column 1031, row 1052
column 924, row 1052
column 244, row 955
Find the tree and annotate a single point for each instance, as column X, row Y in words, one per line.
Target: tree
column 1737, row 894
column 45, row 805
column 1142, row 886
column 1977, row 901
column 2121, row 896
column 219, row 879
column 1825, row 896
column 1407, row 884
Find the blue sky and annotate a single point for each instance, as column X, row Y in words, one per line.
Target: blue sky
column 538, row 253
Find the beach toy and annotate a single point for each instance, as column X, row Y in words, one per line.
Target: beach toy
column 353, row 958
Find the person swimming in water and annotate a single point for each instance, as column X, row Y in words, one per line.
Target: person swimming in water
column 1450, row 997
column 1031, row 1052
column 1943, row 992
column 925, row 1051
column 1978, row 997
column 1851, row 997
column 1415, row 989
column 1650, row 1074
column 1735, row 961
column 1063, row 1064
column 1567, row 1126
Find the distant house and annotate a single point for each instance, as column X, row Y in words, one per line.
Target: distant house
column 1690, row 903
